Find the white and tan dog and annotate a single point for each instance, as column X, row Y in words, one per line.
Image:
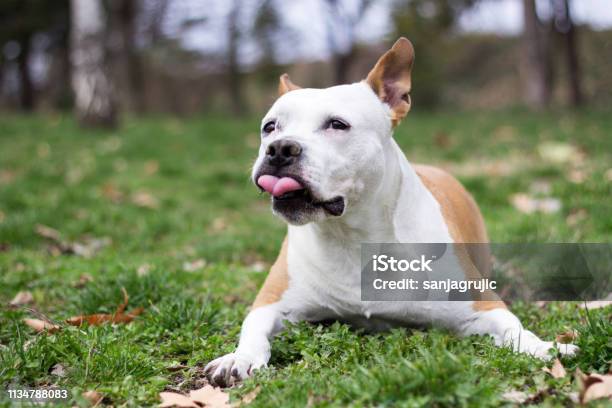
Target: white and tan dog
column 338, row 178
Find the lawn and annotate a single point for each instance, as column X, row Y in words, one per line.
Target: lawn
column 190, row 239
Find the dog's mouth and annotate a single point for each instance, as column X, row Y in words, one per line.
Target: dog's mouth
column 290, row 193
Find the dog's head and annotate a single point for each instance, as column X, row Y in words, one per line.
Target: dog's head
column 322, row 149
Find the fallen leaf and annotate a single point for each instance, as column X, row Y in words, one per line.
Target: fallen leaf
column 557, row 370
column 219, row 224
column 210, row 397
column 442, row 140
column 172, row 399
column 2, row 217
column 194, row 265
column 145, row 200
column 576, row 216
column 249, row 397
column 41, row 325
column 151, row 167
column 596, row 386
column 111, row 192
column 22, row 298
column 86, row 248
column 529, row 205
column 608, row 175
column 258, row 266
column 94, row 397
column 58, row 370
column 517, row 397
column 101, row 318
column 577, row 176
column 567, row 337
column 143, row 270
column 84, row 279
column 48, row 232
column 6, row 176
column 559, row 152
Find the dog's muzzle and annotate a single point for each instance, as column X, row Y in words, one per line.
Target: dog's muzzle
column 292, row 196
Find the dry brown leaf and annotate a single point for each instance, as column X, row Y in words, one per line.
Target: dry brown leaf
column 557, row 370
column 22, row 298
column 194, row 265
column 48, row 232
column 567, row 337
column 210, row 397
column 84, row 279
column 517, row 397
column 101, row 318
column 596, row 386
column 172, row 399
column 111, row 192
column 2, row 216
column 143, row 270
column 87, row 248
column 529, row 205
column 151, row 167
column 250, row 397
column 58, row 370
column 145, row 200
column 94, row 397
column 41, row 325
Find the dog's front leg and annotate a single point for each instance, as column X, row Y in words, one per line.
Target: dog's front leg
column 253, row 350
column 507, row 331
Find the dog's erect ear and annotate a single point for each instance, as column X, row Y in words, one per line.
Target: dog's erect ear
column 285, row 85
column 390, row 78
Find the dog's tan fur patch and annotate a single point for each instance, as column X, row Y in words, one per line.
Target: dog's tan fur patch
column 277, row 281
column 465, row 224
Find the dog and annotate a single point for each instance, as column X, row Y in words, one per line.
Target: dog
column 339, row 179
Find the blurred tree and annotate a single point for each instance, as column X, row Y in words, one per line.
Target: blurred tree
column 267, row 26
column 537, row 72
column 427, row 24
column 20, row 21
column 126, row 57
column 91, row 82
column 234, row 76
column 567, row 30
column 341, row 22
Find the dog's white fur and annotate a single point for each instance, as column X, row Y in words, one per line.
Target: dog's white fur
column 385, row 202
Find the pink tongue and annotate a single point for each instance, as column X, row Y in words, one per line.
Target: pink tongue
column 277, row 187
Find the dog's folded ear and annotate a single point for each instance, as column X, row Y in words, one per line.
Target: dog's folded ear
column 285, row 85
column 390, row 78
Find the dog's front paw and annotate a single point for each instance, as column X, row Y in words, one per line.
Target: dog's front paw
column 231, row 368
column 542, row 349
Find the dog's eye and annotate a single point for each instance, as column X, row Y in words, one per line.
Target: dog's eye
column 269, row 127
column 337, row 124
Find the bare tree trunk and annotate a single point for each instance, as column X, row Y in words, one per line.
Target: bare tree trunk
column 126, row 56
column 234, row 76
column 537, row 67
column 565, row 26
column 91, row 82
column 25, row 79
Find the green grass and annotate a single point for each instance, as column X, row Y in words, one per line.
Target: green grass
column 82, row 184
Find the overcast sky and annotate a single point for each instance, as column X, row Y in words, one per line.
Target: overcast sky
column 305, row 19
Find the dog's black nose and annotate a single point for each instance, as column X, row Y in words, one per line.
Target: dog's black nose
column 283, row 152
